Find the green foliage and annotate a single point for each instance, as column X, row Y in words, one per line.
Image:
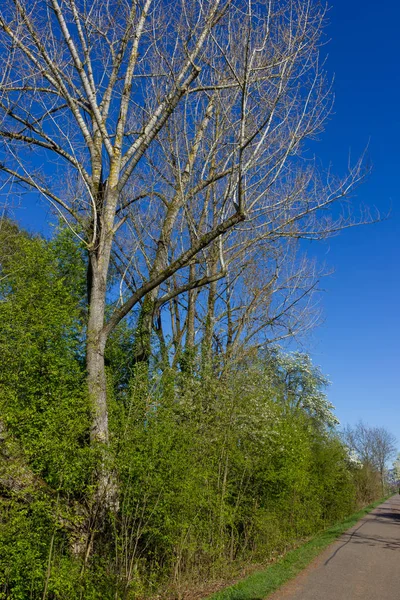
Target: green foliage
column 43, row 401
column 214, row 469
column 25, row 532
column 43, row 404
column 217, row 471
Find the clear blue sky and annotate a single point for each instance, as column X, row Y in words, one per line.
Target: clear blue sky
column 358, row 344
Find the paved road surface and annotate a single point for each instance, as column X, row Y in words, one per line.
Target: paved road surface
column 363, row 563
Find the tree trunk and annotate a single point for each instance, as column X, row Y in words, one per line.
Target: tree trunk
column 142, row 343
column 95, row 360
column 188, row 358
column 210, row 318
column 142, row 348
column 383, row 481
column 106, row 492
column 191, row 311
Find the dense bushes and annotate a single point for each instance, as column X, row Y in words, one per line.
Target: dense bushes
column 215, row 468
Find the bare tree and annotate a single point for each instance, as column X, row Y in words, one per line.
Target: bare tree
column 384, row 445
column 154, row 128
column 268, row 297
column 375, row 446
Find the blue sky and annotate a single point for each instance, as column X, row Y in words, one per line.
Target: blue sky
column 358, row 343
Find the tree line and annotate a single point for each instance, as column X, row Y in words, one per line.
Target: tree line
column 170, row 139
column 215, row 467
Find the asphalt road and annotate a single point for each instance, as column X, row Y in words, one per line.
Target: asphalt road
column 363, row 563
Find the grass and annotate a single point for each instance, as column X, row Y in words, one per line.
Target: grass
column 259, row 585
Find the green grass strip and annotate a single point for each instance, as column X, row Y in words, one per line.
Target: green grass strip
column 259, row 585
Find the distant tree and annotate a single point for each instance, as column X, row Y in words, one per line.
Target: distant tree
column 358, row 439
column 396, row 469
column 384, row 445
column 374, row 446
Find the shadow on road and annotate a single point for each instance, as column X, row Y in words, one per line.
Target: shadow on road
column 392, row 516
column 382, row 516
